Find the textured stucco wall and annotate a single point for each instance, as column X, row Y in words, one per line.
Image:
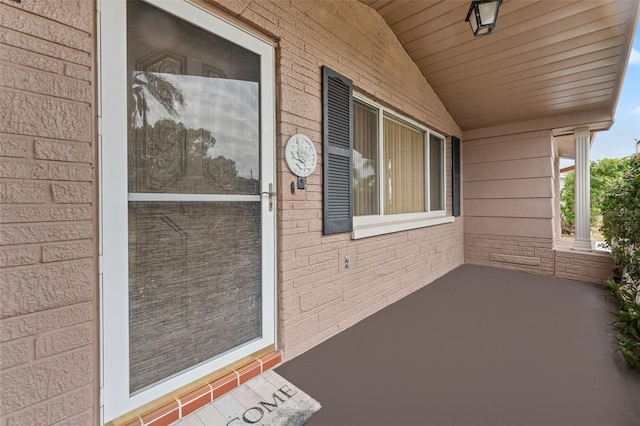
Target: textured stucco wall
column 47, row 218
column 317, row 296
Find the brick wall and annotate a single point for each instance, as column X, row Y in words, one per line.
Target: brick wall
column 47, row 219
column 592, row 267
column 317, row 296
column 526, row 254
column 538, row 256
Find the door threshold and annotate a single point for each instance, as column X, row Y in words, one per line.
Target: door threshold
column 166, row 411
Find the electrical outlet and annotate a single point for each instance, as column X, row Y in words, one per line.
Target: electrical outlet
column 347, row 262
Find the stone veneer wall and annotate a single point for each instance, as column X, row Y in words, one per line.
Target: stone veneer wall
column 48, row 332
column 317, row 296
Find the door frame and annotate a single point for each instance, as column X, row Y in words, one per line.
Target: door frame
column 115, row 399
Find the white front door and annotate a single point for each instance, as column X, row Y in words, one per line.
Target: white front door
column 188, row 231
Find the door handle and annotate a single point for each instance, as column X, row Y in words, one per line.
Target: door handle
column 271, row 194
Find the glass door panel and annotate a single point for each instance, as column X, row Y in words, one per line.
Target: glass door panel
column 195, row 239
column 194, row 290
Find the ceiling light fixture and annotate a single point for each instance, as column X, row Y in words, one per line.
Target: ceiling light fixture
column 483, row 15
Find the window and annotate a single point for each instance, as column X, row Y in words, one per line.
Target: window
column 398, row 172
column 382, row 173
column 365, row 160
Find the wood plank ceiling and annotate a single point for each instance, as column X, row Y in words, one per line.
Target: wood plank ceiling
column 544, row 59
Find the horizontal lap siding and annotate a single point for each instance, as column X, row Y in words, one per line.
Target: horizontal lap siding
column 510, row 207
column 509, row 169
column 509, row 189
column 317, row 296
column 516, row 226
column 47, row 221
column 509, row 186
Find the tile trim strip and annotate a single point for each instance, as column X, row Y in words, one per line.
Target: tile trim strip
column 202, row 395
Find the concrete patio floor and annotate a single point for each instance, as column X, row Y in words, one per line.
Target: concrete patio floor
column 479, row 346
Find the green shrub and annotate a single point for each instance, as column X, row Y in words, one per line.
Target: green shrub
column 604, row 174
column 621, row 221
column 621, row 228
column 628, row 322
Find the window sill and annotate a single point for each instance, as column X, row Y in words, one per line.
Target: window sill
column 370, row 230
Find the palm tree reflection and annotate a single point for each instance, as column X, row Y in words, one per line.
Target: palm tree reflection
column 163, row 91
column 168, row 156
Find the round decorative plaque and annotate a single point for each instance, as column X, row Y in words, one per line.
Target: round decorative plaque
column 301, row 155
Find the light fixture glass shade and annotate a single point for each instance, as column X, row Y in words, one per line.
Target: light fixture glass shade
column 474, row 25
column 488, row 12
column 482, row 16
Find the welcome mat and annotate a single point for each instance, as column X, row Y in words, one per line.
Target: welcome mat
column 266, row 400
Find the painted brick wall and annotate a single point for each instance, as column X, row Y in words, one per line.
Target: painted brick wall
column 47, row 220
column 536, row 256
column 592, row 267
column 526, row 254
column 48, row 331
column 318, row 297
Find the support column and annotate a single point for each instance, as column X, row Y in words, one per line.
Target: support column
column 582, row 240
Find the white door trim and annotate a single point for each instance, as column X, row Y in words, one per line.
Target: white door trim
column 115, row 398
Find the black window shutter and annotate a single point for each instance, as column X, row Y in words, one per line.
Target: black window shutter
column 337, row 109
column 455, row 174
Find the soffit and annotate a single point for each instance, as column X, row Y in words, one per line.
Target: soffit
column 544, row 59
column 566, row 146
